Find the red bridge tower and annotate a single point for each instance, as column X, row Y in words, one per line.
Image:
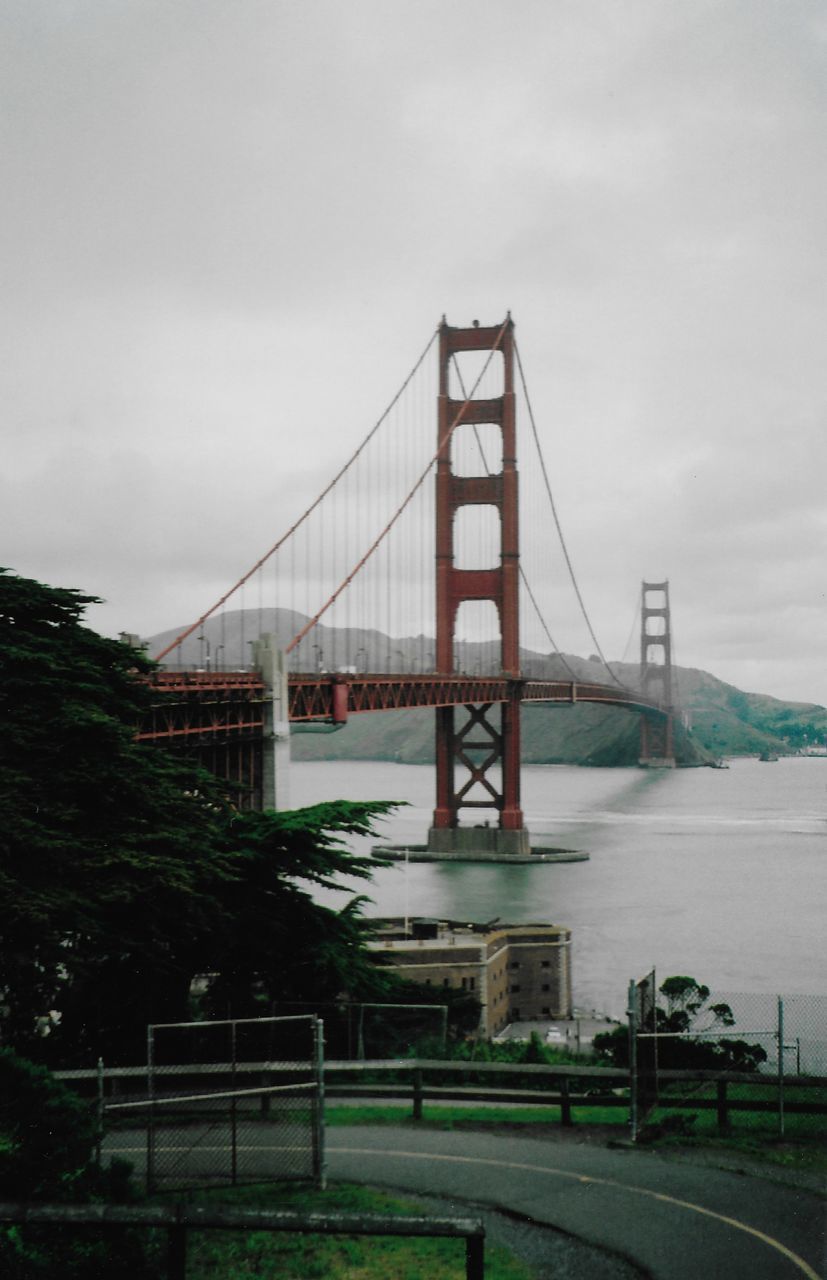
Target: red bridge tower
column 657, row 749
column 488, row 742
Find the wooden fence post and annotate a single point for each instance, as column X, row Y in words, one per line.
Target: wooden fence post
column 475, row 1258
column 177, row 1253
column 417, row 1093
column 565, row 1104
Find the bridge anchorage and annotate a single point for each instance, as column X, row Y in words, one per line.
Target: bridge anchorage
column 234, row 713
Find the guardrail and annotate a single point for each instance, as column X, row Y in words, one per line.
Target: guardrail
column 177, row 1220
column 567, row 1086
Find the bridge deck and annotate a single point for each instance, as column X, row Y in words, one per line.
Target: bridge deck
column 213, row 704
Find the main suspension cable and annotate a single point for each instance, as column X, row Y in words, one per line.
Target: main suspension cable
column 309, row 511
column 523, row 576
column 552, row 504
column 403, row 505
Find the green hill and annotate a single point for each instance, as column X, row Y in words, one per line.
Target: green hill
column 721, row 720
column 588, row 735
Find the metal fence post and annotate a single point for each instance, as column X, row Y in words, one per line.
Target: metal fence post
column 150, row 1119
column 233, row 1110
column 100, row 1112
column 631, row 1014
column 780, row 1034
column 318, row 1055
column 360, row 1034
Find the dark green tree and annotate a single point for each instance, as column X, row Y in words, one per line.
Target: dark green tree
column 124, row 871
column 47, row 1152
column 683, row 1014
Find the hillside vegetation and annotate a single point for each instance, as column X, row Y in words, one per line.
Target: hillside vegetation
column 723, row 720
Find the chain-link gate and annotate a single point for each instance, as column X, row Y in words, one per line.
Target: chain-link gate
column 232, row 1101
column 760, row 1056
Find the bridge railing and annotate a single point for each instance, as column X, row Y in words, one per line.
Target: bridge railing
column 218, row 704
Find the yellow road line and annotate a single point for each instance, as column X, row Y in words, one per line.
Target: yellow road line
column 798, row 1262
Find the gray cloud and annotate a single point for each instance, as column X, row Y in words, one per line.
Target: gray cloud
column 228, row 230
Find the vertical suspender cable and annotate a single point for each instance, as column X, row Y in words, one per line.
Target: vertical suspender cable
column 377, row 542
column 523, row 577
column 557, row 521
column 301, row 520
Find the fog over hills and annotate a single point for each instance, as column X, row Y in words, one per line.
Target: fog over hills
column 722, row 720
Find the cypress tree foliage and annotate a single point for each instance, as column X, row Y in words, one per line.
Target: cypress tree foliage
column 685, row 1011
column 47, row 1153
column 124, row 871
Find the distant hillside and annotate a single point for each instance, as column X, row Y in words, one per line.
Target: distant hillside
column 723, row 720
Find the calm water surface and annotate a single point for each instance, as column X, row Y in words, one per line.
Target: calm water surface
column 721, row 874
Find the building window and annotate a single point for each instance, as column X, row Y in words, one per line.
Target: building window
column 515, row 986
column 515, row 964
column 546, row 986
column 472, row 982
column 445, row 982
column 544, row 964
column 546, row 1009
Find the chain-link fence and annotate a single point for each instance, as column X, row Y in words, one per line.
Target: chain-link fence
column 226, row 1102
column 761, row 1061
column 355, row 1031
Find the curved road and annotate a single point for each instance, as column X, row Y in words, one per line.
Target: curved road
column 673, row 1219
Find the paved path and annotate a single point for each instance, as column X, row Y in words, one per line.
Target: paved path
column 673, row 1219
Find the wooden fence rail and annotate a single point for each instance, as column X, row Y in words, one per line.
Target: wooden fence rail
column 567, row 1086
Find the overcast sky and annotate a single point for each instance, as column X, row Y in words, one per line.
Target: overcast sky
column 231, row 226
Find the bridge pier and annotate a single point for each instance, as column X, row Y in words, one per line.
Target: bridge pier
column 271, row 663
column 472, row 843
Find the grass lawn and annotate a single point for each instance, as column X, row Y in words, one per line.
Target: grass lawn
column 458, row 1117
column 257, row 1255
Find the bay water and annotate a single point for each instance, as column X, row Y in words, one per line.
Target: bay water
column 716, row 873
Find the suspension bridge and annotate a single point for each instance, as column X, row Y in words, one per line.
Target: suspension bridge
column 420, row 576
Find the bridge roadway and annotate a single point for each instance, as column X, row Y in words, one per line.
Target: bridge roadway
column 224, row 704
column 673, row 1218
